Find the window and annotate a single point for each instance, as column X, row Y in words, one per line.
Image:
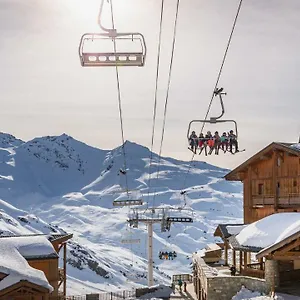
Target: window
column 260, row 189
column 278, row 161
column 294, row 183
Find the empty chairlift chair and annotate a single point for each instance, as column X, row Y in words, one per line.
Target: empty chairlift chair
column 112, row 48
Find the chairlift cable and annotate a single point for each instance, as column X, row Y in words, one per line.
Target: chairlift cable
column 168, row 90
column 216, row 85
column 155, row 95
column 119, row 101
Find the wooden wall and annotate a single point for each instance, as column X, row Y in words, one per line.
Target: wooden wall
column 271, row 185
column 50, row 268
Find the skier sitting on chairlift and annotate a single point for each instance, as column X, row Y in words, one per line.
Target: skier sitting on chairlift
column 233, row 141
column 210, row 141
column 224, row 142
column 202, row 144
column 193, row 141
column 217, row 142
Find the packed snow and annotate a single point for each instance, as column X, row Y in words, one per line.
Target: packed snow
column 270, row 230
column 245, row 294
column 13, row 263
column 62, row 185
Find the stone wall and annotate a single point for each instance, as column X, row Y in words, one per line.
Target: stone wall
column 212, row 286
column 225, row 287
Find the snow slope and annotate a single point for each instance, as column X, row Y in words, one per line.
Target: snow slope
column 69, row 184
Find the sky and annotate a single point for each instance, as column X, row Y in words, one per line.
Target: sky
column 45, row 91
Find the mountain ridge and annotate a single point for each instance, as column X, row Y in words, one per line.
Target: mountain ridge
column 71, row 186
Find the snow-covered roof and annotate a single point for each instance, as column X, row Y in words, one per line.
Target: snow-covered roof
column 269, row 230
column 13, row 263
column 212, row 247
column 296, row 146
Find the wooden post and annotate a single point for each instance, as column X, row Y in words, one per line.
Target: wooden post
column 261, row 262
column 274, row 180
column 234, row 258
column 249, row 257
column 241, row 261
column 248, row 213
column 245, row 260
column 226, row 252
column 65, row 270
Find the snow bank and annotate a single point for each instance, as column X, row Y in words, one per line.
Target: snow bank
column 245, row 294
column 269, row 230
column 162, row 291
column 13, row 263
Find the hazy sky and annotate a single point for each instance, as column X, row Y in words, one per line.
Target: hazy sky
column 45, row 91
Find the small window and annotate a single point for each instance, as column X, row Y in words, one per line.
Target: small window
column 260, row 189
column 294, row 183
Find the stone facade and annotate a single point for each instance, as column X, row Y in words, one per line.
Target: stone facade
column 272, row 274
column 211, row 286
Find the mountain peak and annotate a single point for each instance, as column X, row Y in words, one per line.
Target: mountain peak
column 8, row 140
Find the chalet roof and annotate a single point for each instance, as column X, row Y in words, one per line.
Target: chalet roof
column 264, row 252
column 234, row 243
column 13, row 260
column 227, row 230
column 291, row 148
column 267, row 233
column 39, row 255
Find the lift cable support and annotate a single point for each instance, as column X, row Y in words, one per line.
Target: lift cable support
column 216, row 85
column 152, row 216
column 155, row 95
column 91, row 57
column 167, row 93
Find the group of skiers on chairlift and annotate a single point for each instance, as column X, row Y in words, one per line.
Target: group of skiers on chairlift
column 214, row 142
column 167, row 255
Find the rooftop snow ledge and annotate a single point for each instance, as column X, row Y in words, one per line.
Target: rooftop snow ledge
column 13, row 263
column 269, row 230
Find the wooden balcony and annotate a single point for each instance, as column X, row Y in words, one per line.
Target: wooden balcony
column 284, row 201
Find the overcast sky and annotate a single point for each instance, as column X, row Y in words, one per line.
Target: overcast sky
column 45, row 91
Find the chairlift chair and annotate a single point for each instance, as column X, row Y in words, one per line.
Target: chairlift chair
column 96, row 58
column 132, row 201
column 215, row 120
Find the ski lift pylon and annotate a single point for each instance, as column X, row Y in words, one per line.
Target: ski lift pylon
column 94, row 58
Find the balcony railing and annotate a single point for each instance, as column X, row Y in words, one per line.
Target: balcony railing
column 285, row 200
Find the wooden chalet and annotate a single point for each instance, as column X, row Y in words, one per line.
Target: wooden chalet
column 271, row 181
column 271, row 184
column 50, row 284
column 271, row 188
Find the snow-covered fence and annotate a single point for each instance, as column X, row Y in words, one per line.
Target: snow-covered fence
column 105, row 296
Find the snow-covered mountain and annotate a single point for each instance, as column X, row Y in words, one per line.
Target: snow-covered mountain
column 57, row 183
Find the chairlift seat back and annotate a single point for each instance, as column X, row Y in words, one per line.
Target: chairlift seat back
column 127, row 202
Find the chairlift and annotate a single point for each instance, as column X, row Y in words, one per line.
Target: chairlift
column 131, row 201
column 214, row 120
column 128, row 238
column 167, row 255
column 91, row 56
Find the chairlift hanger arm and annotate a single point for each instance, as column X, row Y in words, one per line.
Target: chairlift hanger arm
column 111, row 31
column 218, row 92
